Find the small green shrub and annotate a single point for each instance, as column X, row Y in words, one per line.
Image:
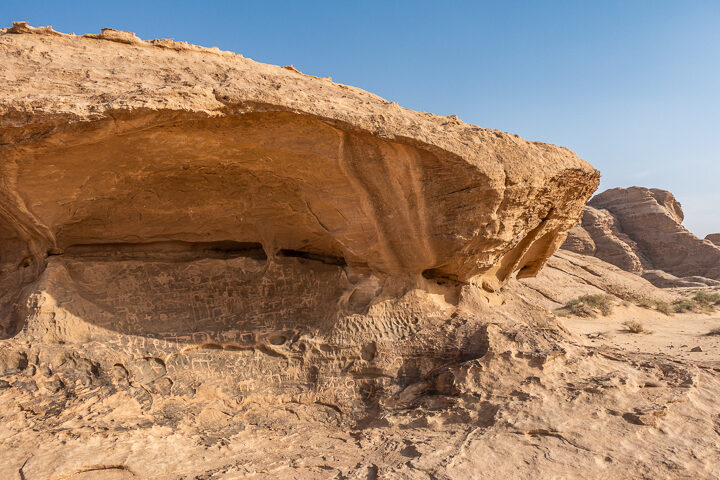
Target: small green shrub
column 702, row 302
column 705, row 298
column 663, row 307
column 587, row 305
column 634, row 327
column 682, row 306
column 645, row 303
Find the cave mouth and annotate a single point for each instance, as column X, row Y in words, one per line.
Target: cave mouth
column 174, row 289
column 317, row 257
column 182, row 251
column 438, row 276
column 293, row 182
column 169, row 251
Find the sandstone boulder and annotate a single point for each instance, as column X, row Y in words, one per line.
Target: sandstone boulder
column 160, row 145
column 201, row 242
column 175, row 203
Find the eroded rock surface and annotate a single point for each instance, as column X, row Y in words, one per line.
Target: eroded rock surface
column 569, row 275
column 152, row 144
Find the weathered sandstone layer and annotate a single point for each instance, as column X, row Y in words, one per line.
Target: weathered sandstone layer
column 640, row 230
column 161, row 203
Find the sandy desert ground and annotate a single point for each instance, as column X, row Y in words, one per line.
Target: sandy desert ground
column 675, row 334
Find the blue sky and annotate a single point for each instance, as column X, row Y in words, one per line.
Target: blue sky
column 631, row 86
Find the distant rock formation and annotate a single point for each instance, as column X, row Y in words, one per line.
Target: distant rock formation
column 611, row 244
column 639, row 230
column 714, row 238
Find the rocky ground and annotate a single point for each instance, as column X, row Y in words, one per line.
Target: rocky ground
column 539, row 393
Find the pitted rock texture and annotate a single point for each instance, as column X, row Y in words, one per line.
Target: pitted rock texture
column 429, row 381
column 639, row 230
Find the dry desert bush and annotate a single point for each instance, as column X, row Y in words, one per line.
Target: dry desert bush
column 662, row 307
column 635, row 327
column 702, row 302
column 709, row 299
column 588, row 306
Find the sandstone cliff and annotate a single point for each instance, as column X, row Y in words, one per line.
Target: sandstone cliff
column 640, row 230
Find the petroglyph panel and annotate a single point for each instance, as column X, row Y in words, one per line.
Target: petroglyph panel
column 238, row 301
column 299, row 327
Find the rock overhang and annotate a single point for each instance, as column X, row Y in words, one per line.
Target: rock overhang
column 150, row 144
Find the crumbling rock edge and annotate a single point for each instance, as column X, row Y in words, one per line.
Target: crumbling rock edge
column 112, row 35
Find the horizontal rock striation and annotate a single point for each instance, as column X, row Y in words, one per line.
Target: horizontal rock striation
column 607, row 241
